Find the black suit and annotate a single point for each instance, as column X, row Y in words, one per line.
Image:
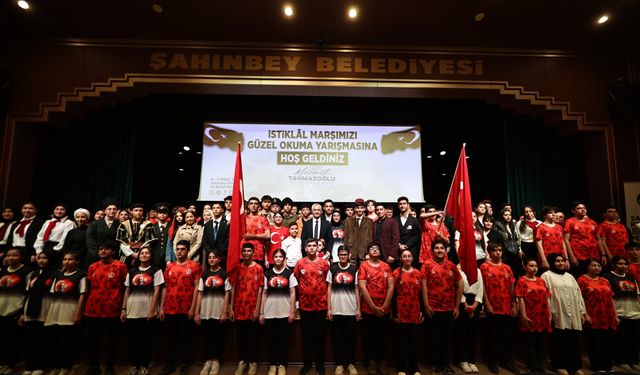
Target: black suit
column 325, row 233
column 29, row 237
column 98, row 232
column 410, row 235
column 221, row 243
column 160, row 245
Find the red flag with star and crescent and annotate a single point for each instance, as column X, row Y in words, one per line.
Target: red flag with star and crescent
column 459, row 207
column 237, row 223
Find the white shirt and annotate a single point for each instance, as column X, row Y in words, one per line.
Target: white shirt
column 58, row 234
column 292, row 246
column 477, row 288
column 566, row 303
column 20, row 240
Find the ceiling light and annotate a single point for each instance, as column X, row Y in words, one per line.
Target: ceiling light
column 603, row 19
column 467, row 157
column 443, row 153
column 179, row 152
column 186, row 148
column 157, row 8
column 479, row 17
column 24, row 5
column 353, row 12
column 288, row 10
column 181, row 169
column 429, row 156
column 199, row 152
column 444, row 174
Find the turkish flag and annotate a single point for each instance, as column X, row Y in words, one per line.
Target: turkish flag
column 459, row 207
column 237, row 223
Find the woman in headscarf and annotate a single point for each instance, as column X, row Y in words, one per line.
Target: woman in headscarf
column 76, row 240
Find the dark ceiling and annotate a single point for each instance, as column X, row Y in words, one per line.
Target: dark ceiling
column 533, row 24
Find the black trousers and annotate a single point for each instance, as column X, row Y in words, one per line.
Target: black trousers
column 344, row 339
column 277, row 331
column 99, row 330
column 499, row 339
column 565, row 349
column 213, row 335
column 11, row 340
column 600, row 345
column 178, row 331
column 440, row 336
column 247, row 340
column 374, row 334
column 62, row 346
column 140, row 335
column 466, row 328
column 628, row 340
column 313, row 333
column 34, row 342
column 533, row 343
column 407, row 336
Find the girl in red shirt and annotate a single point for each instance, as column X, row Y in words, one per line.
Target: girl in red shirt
column 535, row 318
column 247, row 296
column 599, row 333
column 407, row 314
column 441, row 293
column 498, row 305
column 376, row 290
column 278, row 233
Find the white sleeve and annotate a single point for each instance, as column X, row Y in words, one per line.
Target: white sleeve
column 329, row 276
column 227, row 285
column 39, row 244
column 68, row 226
column 293, row 282
column 158, row 278
column 201, row 285
column 83, row 285
column 126, row 280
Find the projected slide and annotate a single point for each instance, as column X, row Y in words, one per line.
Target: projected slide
column 313, row 162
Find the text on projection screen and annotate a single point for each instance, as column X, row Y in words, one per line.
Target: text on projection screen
column 311, row 163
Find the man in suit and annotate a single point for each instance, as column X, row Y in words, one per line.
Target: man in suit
column 358, row 232
column 387, row 234
column 409, row 230
column 24, row 232
column 317, row 227
column 161, row 229
column 216, row 231
column 102, row 230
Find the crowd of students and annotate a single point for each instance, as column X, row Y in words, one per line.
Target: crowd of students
column 553, row 280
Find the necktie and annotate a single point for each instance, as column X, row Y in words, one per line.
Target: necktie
column 47, row 232
column 21, row 226
column 109, row 223
column 316, row 230
column 215, row 231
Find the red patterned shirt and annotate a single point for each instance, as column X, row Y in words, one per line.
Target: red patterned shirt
column 598, row 299
column 582, row 238
column 257, row 225
column 536, row 302
column 498, row 283
column 312, row 284
column 180, row 283
column 376, row 278
column 408, row 289
column 634, row 269
column 551, row 237
column 429, row 234
column 615, row 236
column 442, row 283
column 248, row 284
column 106, row 289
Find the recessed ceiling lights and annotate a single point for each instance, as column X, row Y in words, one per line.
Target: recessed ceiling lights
column 467, row 157
column 181, row 169
column 479, row 17
column 23, row 4
column 186, row 148
column 604, row 18
column 443, row 153
column 429, row 156
column 157, row 8
column 353, row 12
column 288, row 10
column 444, row 174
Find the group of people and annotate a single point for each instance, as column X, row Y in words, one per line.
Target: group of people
column 359, row 266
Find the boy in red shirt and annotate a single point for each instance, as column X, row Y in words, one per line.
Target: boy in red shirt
column 580, row 238
column 612, row 236
column 257, row 230
column 376, row 290
column 311, row 273
column 500, row 309
column 247, row 294
column 177, row 307
column 548, row 237
column 441, row 295
column 105, row 282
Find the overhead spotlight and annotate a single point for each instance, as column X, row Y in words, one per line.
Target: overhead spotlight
column 181, row 169
column 186, row 148
column 157, row 8
column 23, row 4
column 479, row 17
column 429, row 156
column 288, row 10
column 444, row 174
column 604, row 18
column 467, row 157
column 353, row 12
column 199, row 152
column 443, row 153
column 179, row 152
